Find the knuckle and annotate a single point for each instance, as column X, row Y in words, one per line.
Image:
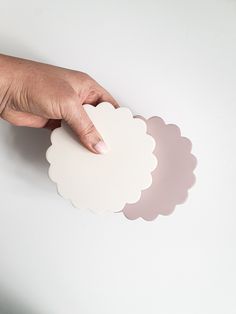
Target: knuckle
column 84, row 76
column 16, row 122
column 85, row 79
column 87, row 130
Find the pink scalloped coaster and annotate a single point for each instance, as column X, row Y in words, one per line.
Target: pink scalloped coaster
column 173, row 176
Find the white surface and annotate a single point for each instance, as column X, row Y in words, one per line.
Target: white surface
column 175, row 59
column 103, row 183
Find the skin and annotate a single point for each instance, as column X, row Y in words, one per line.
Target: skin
column 39, row 95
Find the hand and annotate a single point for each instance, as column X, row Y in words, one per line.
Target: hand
column 37, row 95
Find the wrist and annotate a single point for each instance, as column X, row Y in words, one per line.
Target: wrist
column 9, row 72
column 5, row 82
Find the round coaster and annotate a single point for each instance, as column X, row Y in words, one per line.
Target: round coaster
column 103, row 183
column 173, row 176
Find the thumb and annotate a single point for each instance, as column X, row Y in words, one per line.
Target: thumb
column 79, row 121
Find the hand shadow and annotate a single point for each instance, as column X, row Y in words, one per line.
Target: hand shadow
column 27, row 148
column 10, row 304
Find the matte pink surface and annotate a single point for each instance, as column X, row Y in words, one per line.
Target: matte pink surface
column 173, row 176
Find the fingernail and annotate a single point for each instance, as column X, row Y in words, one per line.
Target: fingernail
column 101, row 147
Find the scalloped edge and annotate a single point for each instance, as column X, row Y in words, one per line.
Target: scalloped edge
column 195, row 162
column 155, row 161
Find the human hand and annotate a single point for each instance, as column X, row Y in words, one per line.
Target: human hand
column 37, row 95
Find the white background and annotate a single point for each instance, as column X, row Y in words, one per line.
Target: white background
column 174, row 59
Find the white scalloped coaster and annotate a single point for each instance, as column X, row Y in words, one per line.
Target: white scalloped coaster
column 103, row 183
